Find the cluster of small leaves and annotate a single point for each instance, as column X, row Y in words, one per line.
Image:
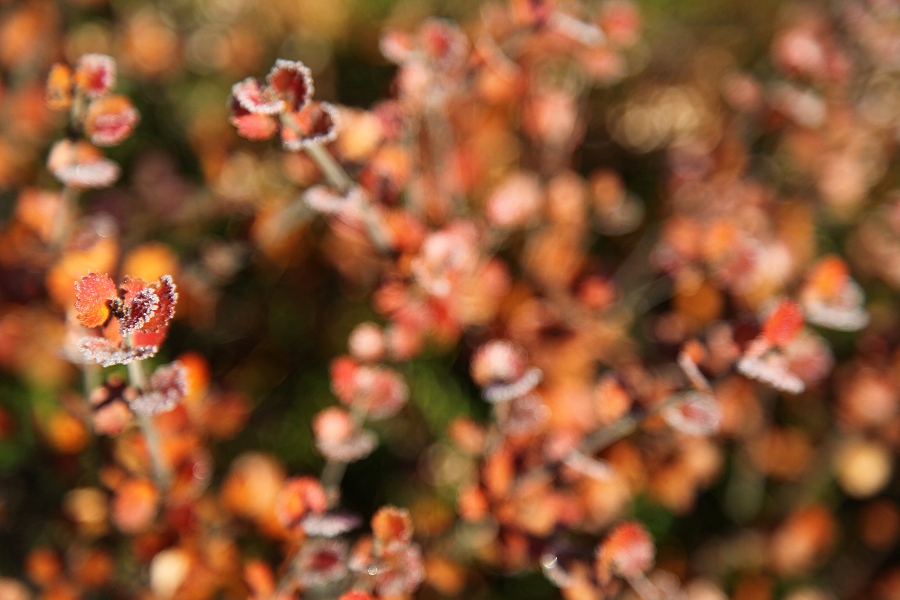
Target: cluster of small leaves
column 283, row 104
column 134, row 317
column 103, row 118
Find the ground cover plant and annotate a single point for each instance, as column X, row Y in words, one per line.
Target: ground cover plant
column 501, row 299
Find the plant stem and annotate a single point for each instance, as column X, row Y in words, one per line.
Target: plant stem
column 332, row 475
column 333, row 471
column 287, row 579
column 334, row 172
column 603, row 438
column 161, row 472
column 68, row 200
column 621, row 428
column 340, row 180
column 644, row 587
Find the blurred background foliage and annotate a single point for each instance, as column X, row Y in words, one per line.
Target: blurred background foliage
column 269, row 323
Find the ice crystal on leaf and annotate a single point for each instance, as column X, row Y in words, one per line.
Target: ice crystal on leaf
column 108, row 353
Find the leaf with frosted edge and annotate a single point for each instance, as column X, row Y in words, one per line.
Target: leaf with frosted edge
column 505, row 392
column 321, row 562
column 694, row 413
column 329, row 524
column 253, row 127
column 140, row 304
column 298, row 497
column 317, row 123
column 392, row 528
column 293, row 80
column 108, row 353
column 165, row 290
column 257, row 99
column 403, row 575
column 771, row 370
column 358, row 446
column 381, row 391
column 165, row 390
column 95, row 174
column 95, row 74
column 110, row 120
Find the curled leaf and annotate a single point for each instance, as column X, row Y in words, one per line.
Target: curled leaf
column 293, row 81
column 317, row 123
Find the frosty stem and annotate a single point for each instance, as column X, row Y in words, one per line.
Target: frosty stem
column 341, row 181
column 161, row 472
column 334, row 172
column 333, row 471
column 68, row 202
